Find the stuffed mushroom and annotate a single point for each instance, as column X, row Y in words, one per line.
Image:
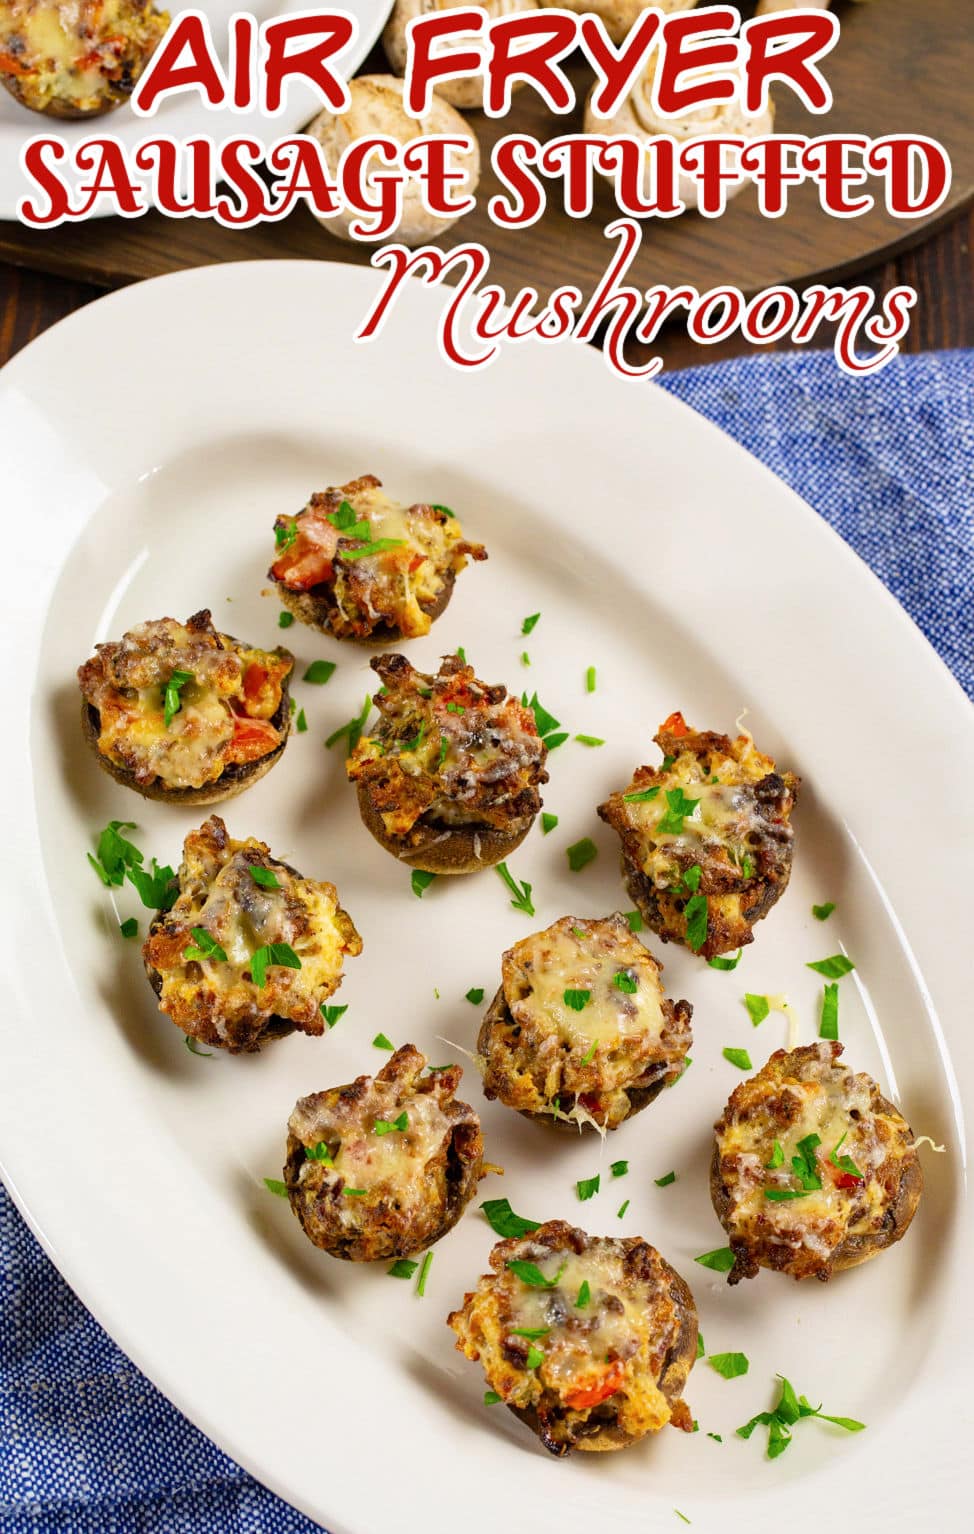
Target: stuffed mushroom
column 250, row 950
column 706, row 837
column 76, row 58
column 386, row 1165
column 360, row 566
column 580, row 1031
column 587, row 1339
column 181, row 712
column 813, row 1170
column 449, row 780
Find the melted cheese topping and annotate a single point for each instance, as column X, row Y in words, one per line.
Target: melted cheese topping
column 723, row 819
column 229, row 685
column 620, row 1034
column 610, row 1350
column 219, row 894
column 84, row 53
column 392, row 1166
column 816, row 1097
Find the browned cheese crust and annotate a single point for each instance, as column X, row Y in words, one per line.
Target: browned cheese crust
column 76, row 58
column 386, row 1165
column 598, row 1375
column 806, row 1119
column 326, row 576
column 216, row 1000
column 449, row 780
column 704, row 877
column 598, row 1057
column 228, row 731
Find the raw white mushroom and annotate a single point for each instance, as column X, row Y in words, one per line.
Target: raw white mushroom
column 461, row 93
column 637, row 119
column 619, row 15
column 377, row 108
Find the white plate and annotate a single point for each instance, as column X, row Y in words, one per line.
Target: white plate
column 182, row 116
column 656, row 550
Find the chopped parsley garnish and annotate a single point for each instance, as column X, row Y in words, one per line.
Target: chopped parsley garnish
column 416, row 741
column 729, row 1365
column 701, row 1349
column 204, row 1054
column 696, row 914
column 590, row 740
column 619, row 1168
column 745, row 863
column 758, row 1007
column 444, row 748
column 403, row 1267
column 204, row 946
column 265, row 877
column 284, row 535
column 823, row 912
column 716, row 1437
column 332, row 1014
column 682, row 1516
column 590, row 679
column 805, row 1167
column 532, row 1332
column 584, row 1295
column 274, row 1185
column 423, row 1273
column 455, row 708
column 689, row 881
column 502, row 1219
column 846, row 1163
column 284, row 619
column 281, row 955
column 552, row 742
column 475, row 995
column 119, row 859
column 532, row 1275
column 535, row 1357
column 319, row 672
column 352, row 730
column 622, row 1209
column 721, row 961
column 791, row 1408
column 642, row 795
column 420, row 881
column 544, row 723
column 354, row 1192
column 587, row 1187
column 379, row 546
column 828, row 1027
column 129, row 927
column 462, row 653
column 434, row 506
column 577, row 1000
column 589, row 1055
column 346, row 519
column 833, row 968
column 381, row 1042
column 528, row 624
column 386, row 1126
column 581, row 853
column 679, row 808
column 319, row 1152
column 740, row 1058
column 721, row 1260
column 525, row 658
column 635, row 920
column 301, row 723
column 491, row 1398
column 548, row 822
column 777, row 1157
column 521, row 894
column 172, row 702
column 664, row 1182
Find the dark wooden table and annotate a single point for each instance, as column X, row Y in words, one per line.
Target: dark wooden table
column 941, row 270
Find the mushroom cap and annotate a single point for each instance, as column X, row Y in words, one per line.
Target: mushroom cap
column 376, row 107
column 460, row 93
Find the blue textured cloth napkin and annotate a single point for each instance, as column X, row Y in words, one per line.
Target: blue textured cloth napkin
column 87, row 1445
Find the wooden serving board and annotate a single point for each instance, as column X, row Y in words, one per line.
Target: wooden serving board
column 901, row 66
